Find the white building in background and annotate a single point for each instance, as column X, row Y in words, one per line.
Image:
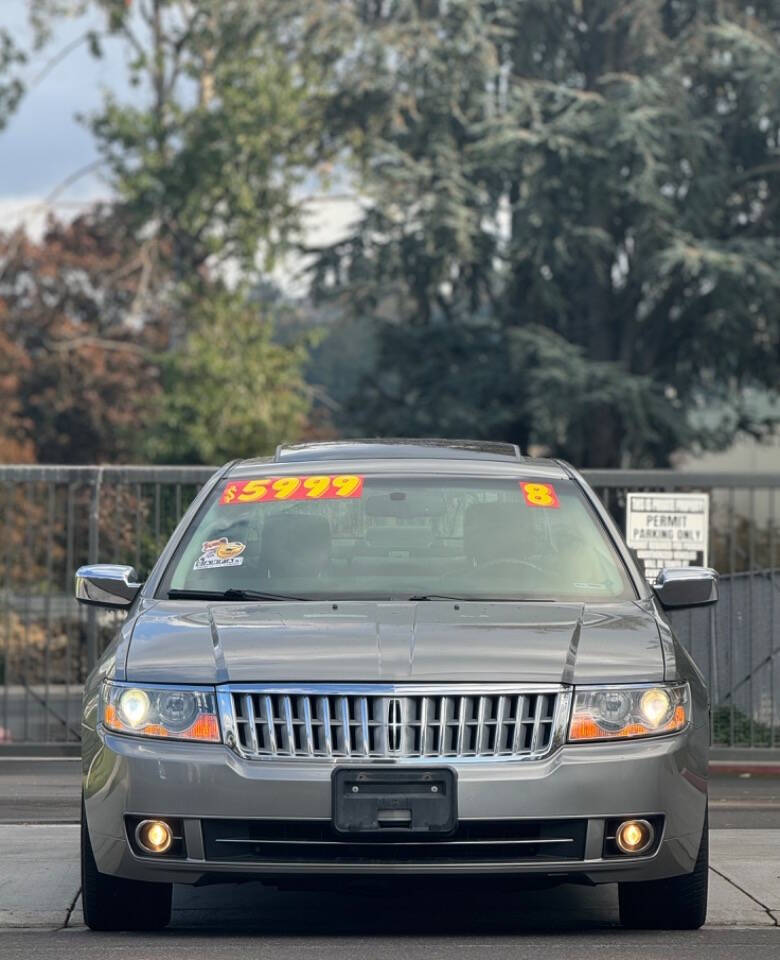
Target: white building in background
column 747, row 455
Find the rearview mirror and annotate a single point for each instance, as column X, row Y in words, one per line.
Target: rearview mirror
column 107, row 585
column 397, row 504
column 679, row 587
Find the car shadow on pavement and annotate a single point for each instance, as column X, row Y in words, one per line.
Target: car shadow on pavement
column 396, row 909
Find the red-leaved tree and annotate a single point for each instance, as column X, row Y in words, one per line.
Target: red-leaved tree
column 78, row 343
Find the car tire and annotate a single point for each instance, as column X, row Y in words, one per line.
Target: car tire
column 114, row 903
column 679, row 903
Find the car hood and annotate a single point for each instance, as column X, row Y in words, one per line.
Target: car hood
column 197, row 642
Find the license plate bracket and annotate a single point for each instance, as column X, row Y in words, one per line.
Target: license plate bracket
column 382, row 801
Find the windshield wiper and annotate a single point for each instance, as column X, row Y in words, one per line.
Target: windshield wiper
column 231, row 594
column 441, row 596
column 438, row 596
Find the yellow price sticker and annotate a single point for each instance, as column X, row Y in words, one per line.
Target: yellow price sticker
column 317, row 487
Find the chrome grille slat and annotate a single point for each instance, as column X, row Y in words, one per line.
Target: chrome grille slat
column 324, row 714
column 480, row 743
column 346, row 736
column 500, row 712
column 288, row 731
column 308, row 725
column 517, row 737
column 363, row 741
column 249, row 713
column 269, row 724
column 464, row 701
column 537, row 729
column 423, row 727
column 403, row 722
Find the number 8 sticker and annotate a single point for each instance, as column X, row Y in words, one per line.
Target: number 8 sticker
column 540, row 495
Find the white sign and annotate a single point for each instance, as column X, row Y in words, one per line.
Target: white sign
column 668, row 529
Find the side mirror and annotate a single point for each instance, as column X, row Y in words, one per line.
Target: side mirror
column 107, row 585
column 679, row 587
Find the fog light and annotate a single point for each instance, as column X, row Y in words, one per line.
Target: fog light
column 154, row 836
column 634, row 836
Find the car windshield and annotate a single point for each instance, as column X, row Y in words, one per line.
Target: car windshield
column 391, row 538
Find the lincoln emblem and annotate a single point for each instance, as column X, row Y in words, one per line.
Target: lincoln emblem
column 395, row 724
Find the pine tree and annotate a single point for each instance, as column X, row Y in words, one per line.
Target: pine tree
column 571, row 229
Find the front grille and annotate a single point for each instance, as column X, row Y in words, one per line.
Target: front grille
column 313, row 841
column 395, row 723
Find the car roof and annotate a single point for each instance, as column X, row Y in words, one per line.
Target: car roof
column 415, row 456
column 394, row 449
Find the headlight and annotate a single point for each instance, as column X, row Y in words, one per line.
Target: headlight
column 613, row 713
column 181, row 713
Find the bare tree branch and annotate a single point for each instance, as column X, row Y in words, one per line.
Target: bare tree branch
column 60, row 56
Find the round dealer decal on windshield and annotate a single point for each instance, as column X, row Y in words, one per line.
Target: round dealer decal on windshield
column 220, row 553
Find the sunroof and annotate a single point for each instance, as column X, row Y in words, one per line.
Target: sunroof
column 398, row 448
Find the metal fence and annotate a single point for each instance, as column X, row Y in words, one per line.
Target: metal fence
column 736, row 643
column 53, row 519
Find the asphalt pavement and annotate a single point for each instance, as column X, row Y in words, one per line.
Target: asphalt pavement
column 39, row 791
column 551, row 944
column 40, row 910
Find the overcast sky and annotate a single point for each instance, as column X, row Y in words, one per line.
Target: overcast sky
column 44, row 143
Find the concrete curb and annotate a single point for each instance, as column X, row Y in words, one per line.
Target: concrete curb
column 756, row 768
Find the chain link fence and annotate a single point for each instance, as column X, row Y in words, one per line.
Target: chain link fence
column 53, row 519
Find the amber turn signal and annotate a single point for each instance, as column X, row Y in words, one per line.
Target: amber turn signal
column 178, row 713
column 622, row 713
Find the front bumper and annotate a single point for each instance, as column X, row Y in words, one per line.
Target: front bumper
column 664, row 777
